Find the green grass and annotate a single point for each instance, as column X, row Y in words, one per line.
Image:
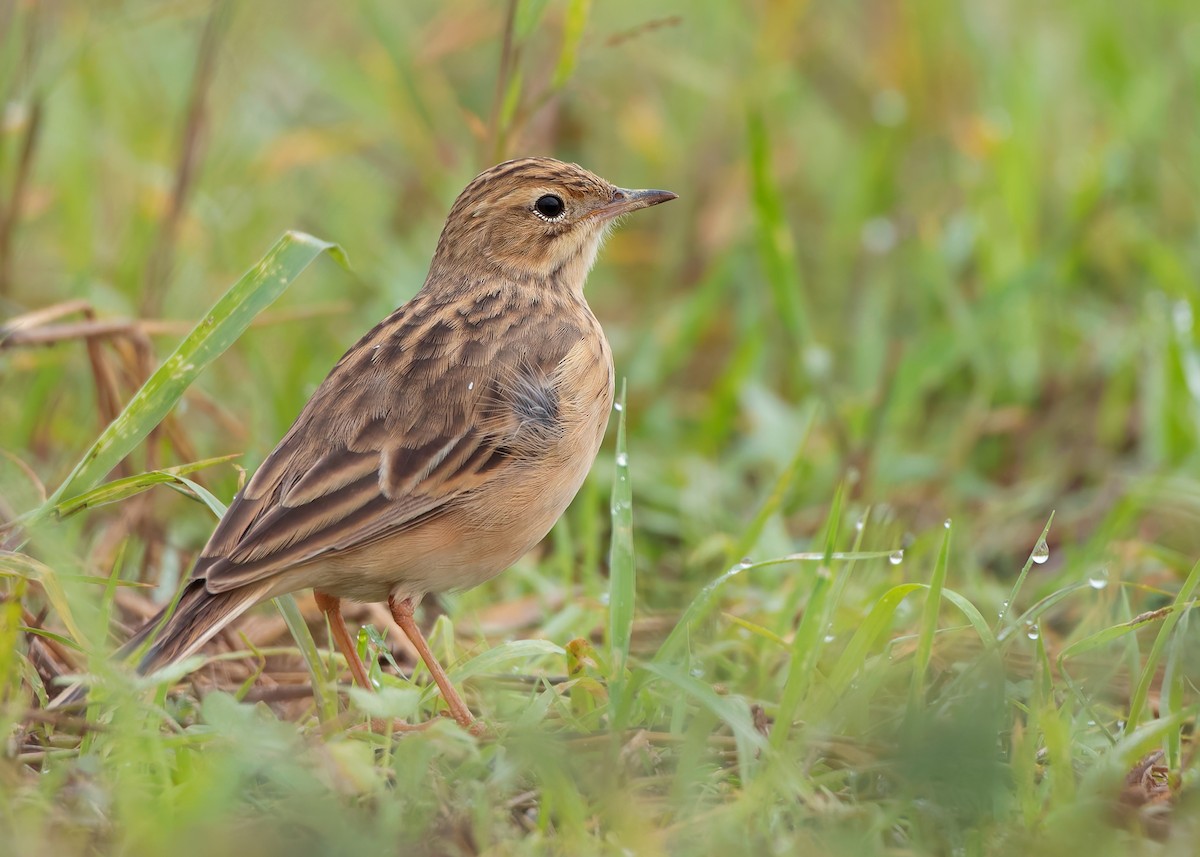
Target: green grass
column 925, row 303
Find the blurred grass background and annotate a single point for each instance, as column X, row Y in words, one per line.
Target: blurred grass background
column 931, row 261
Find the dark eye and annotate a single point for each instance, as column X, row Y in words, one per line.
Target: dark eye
column 549, row 206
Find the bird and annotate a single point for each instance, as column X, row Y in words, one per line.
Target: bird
column 445, row 443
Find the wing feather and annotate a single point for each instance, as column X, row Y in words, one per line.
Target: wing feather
column 385, row 444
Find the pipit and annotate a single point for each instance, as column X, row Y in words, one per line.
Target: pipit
column 446, row 442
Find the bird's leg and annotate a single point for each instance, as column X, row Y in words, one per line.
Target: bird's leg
column 402, row 612
column 332, row 608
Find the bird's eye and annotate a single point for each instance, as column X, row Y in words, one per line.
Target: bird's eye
column 549, row 207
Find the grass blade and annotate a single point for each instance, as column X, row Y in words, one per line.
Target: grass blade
column 491, row 661
column 1001, row 630
column 292, row 617
column 735, row 714
column 121, row 489
column 777, row 247
column 1137, row 705
column 573, row 27
column 622, row 572
column 774, row 500
column 703, row 601
column 220, row 328
column 805, row 643
column 929, row 619
column 871, row 629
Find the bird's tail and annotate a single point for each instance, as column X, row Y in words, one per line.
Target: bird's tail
column 179, row 630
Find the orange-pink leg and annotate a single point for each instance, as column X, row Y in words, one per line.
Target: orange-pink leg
column 402, row 612
column 332, row 608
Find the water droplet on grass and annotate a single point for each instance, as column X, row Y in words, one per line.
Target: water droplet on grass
column 1098, row 579
column 896, row 557
column 946, row 523
column 879, row 235
column 1032, row 632
column 622, row 459
column 818, row 361
column 1041, row 552
column 617, row 406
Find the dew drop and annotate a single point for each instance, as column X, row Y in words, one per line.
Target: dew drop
column 1032, row 632
column 1041, row 552
column 696, row 672
column 470, row 384
column 859, row 524
column 829, row 638
column 896, row 557
column 818, row 361
column 878, row 235
column 946, row 523
column 1098, row 579
column 622, row 459
column 617, row 406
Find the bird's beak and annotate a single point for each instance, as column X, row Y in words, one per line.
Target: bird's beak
column 625, row 201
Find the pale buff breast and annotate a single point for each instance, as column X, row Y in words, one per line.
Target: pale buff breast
column 487, row 532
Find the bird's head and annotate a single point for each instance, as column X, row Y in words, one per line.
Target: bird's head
column 534, row 219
